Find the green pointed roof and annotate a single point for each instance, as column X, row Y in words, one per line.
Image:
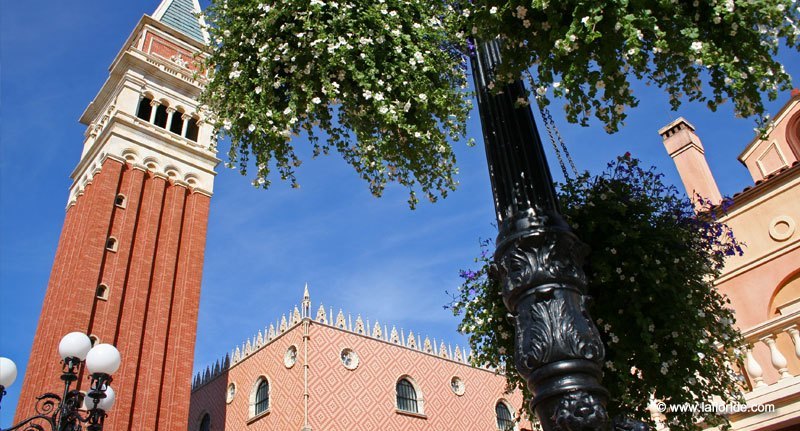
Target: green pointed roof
column 182, row 16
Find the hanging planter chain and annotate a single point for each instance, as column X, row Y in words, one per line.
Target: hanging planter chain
column 551, row 130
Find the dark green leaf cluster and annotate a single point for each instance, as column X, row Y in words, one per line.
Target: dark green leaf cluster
column 668, row 332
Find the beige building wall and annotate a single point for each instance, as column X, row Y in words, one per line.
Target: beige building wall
column 763, row 284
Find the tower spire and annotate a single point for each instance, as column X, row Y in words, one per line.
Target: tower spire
column 184, row 16
column 306, row 305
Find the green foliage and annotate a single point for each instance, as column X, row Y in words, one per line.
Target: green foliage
column 382, row 82
column 668, row 333
column 379, row 78
column 587, row 51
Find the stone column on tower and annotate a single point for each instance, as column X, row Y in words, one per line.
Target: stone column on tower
column 128, row 266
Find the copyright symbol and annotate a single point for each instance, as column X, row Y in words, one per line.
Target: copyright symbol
column 661, row 406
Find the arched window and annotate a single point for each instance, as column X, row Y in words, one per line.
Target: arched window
column 120, row 201
column 161, row 117
column 111, row 244
column 102, row 292
column 144, row 109
column 192, row 130
column 261, row 400
column 505, row 422
column 176, row 126
column 407, row 396
column 205, row 423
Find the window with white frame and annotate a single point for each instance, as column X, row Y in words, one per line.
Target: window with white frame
column 259, row 398
column 505, row 421
column 409, row 398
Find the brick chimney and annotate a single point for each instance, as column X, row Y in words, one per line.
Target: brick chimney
column 685, row 148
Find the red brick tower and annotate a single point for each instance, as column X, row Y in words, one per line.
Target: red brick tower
column 128, row 266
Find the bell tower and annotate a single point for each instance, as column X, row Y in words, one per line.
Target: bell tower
column 130, row 256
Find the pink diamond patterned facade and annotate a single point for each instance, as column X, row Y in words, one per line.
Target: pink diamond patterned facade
column 319, row 392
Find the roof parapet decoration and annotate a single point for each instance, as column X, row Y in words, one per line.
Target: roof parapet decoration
column 184, row 16
column 361, row 327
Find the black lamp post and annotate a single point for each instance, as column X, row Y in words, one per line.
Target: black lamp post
column 73, row 409
column 539, row 263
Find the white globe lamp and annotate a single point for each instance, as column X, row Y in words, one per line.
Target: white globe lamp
column 103, row 359
column 107, row 403
column 8, row 372
column 74, row 345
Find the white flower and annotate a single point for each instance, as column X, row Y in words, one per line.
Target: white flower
column 697, row 46
column 258, row 90
column 383, row 109
column 251, row 128
column 367, row 94
column 234, row 74
column 501, row 350
column 379, row 96
column 521, row 12
column 423, row 97
column 493, row 10
column 287, row 111
column 585, row 20
column 227, row 124
column 541, row 90
column 316, row 100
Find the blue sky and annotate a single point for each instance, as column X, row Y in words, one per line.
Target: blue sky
column 365, row 255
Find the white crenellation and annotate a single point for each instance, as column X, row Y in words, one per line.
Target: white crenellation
column 376, row 331
column 340, row 322
column 321, row 318
column 427, row 346
column 359, row 326
column 263, row 338
column 412, row 343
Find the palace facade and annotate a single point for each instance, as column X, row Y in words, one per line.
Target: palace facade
column 764, row 283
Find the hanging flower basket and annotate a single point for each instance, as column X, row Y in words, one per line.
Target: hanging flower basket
column 668, row 332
